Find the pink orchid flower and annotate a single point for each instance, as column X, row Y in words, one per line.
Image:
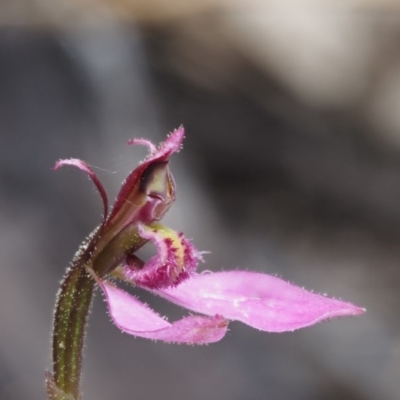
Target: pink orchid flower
column 262, row 301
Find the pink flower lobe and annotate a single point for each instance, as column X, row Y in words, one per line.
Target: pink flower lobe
column 136, row 318
column 175, row 261
column 258, row 300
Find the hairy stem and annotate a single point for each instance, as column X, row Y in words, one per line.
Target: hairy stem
column 72, row 309
column 73, row 305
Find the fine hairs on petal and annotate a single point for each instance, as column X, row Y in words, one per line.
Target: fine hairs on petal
column 135, row 318
column 175, row 261
column 258, row 300
column 171, row 145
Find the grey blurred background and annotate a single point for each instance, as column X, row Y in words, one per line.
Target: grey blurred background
column 291, row 166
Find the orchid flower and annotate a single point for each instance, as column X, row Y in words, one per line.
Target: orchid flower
column 261, row 301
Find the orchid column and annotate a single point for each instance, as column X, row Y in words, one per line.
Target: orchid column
column 261, row 301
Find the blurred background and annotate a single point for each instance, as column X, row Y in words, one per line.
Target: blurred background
column 291, row 166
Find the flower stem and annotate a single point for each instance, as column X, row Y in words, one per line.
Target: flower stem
column 72, row 309
column 73, row 305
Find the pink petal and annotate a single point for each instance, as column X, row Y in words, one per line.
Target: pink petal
column 84, row 167
column 171, row 145
column 175, row 261
column 136, row 318
column 143, row 142
column 261, row 301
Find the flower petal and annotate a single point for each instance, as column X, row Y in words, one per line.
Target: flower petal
column 171, row 145
column 261, row 301
column 84, row 167
column 136, row 318
column 144, row 142
column 175, row 261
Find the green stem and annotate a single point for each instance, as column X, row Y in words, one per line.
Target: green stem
column 124, row 243
column 72, row 309
column 73, row 305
